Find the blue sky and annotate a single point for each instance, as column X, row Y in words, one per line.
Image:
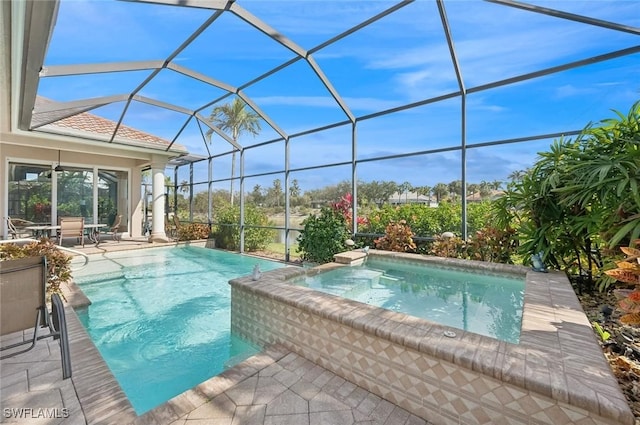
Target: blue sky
column 402, row 58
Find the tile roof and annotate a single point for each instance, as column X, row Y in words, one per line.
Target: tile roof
column 101, row 128
column 494, row 194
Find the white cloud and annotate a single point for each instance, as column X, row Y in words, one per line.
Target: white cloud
column 370, row 104
column 570, row 90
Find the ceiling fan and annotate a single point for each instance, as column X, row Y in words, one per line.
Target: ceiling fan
column 58, row 167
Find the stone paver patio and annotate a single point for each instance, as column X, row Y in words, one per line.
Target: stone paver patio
column 273, row 388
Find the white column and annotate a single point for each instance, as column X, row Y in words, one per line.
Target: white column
column 157, row 226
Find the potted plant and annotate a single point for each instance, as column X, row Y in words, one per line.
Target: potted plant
column 58, row 262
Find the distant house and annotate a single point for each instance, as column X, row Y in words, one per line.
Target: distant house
column 411, row 198
column 493, row 195
column 319, row 203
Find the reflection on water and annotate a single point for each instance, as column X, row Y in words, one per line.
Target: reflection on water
column 485, row 304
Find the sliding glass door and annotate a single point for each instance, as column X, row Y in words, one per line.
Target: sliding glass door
column 75, row 193
column 37, row 194
column 113, row 197
column 29, row 193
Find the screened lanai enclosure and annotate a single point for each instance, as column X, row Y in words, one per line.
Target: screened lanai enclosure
column 279, row 108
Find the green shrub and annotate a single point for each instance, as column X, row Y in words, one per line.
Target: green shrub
column 479, row 217
column 227, row 229
column 580, row 196
column 323, row 236
column 423, row 220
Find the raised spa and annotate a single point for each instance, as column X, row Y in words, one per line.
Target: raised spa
column 556, row 374
column 489, row 304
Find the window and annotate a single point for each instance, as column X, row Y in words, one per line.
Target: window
column 30, row 192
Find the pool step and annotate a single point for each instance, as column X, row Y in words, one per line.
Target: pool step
column 351, row 258
column 391, row 278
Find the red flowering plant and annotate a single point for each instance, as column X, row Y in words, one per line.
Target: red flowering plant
column 41, row 211
column 345, row 207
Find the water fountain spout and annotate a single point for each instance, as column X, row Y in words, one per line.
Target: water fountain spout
column 256, row 272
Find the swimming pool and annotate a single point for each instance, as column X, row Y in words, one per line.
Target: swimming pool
column 487, row 304
column 160, row 317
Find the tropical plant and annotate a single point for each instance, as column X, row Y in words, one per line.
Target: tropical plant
column 59, row 263
column 323, row 236
column 488, row 244
column 295, row 192
column 426, row 221
column 604, row 335
column 628, row 272
column 448, row 247
column 344, row 206
column 532, row 205
column 375, row 192
column 517, row 175
column 235, row 119
column 603, row 177
column 397, row 237
column 579, row 195
column 184, row 187
column 440, row 190
column 275, row 194
column 455, row 189
column 493, row 245
column 405, row 188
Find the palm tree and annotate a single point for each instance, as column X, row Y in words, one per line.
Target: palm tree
column 184, row 186
column 405, row 188
column 440, row 191
column 169, row 189
column 455, row 189
column 256, row 195
column 517, row 175
column 473, row 188
column 276, row 191
column 485, row 189
column 294, row 191
column 234, row 119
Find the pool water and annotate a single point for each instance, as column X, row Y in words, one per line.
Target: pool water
column 160, row 317
column 489, row 305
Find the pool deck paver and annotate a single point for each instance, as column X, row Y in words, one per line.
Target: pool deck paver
column 275, row 387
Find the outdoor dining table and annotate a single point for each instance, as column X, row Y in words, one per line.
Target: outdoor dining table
column 93, row 230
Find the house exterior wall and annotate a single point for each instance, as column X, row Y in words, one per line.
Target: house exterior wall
column 10, row 152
